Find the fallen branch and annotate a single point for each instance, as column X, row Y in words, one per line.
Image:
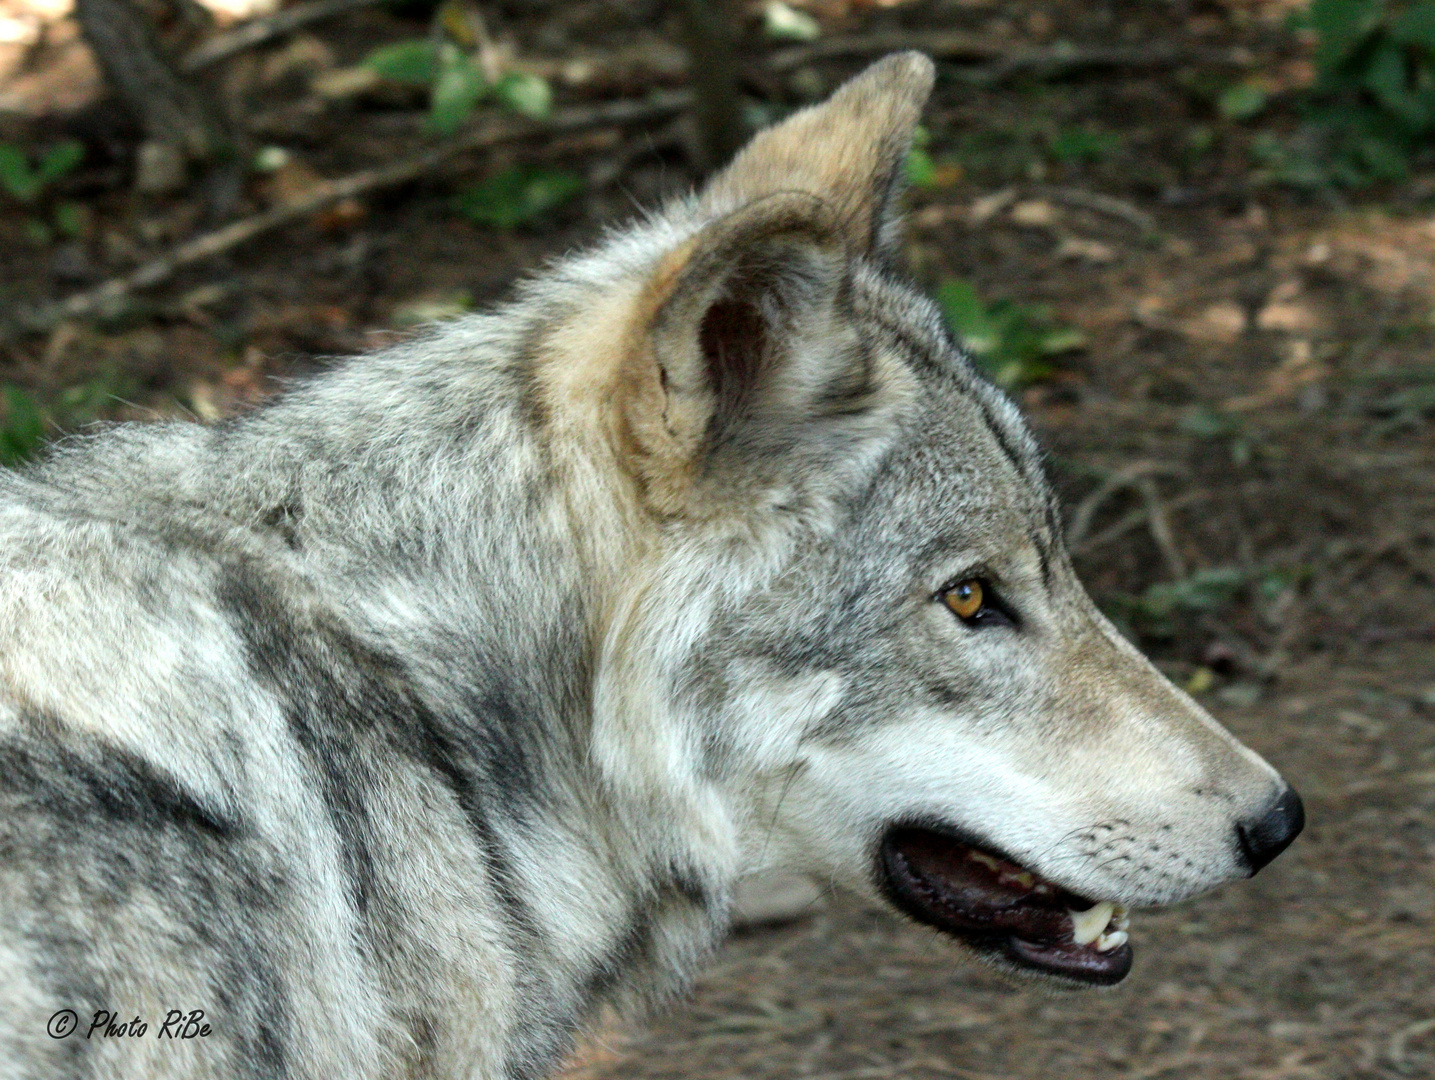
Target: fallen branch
column 1065, row 59
column 1102, row 204
column 997, row 64
column 938, row 44
column 108, row 295
column 255, row 32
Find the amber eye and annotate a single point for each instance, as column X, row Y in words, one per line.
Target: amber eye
column 966, row 599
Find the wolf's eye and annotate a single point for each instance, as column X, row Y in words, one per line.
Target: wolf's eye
column 966, row 598
column 974, row 602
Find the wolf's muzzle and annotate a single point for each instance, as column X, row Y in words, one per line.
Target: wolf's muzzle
column 1261, row 839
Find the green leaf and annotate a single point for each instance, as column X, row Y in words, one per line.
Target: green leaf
column 1288, row 163
column 1341, row 26
column 458, row 88
column 268, row 159
column 60, row 159
column 37, row 232
column 921, row 169
column 1077, row 144
column 16, row 176
column 968, row 317
column 413, row 63
column 1055, row 340
column 70, row 218
column 517, row 196
column 1205, row 590
column 527, row 95
column 22, row 432
column 1015, row 373
column 1381, row 159
column 1207, row 422
column 1415, row 26
column 1385, row 75
column 1241, row 101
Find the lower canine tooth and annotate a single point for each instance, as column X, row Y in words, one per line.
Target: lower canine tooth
column 1086, row 926
column 1113, row 940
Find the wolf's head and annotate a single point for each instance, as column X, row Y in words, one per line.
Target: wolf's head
column 841, row 629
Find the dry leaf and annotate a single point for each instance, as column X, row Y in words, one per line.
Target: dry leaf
column 1284, row 311
column 1221, row 323
column 345, row 83
column 342, row 215
column 1151, row 310
column 291, row 181
column 989, row 206
column 1074, row 247
column 1034, row 213
column 159, row 168
column 304, row 53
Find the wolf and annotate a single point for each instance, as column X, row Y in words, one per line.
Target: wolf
column 396, row 728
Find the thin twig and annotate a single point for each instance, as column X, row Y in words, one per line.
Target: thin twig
column 1158, row 520
column 255, row 32
column 1125, row 477
column 107, row 295
column 1103, row 204
column 1131, row 521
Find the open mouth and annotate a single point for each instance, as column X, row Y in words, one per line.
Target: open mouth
column 997, row 907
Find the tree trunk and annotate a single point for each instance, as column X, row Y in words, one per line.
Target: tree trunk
column 710, row 32
column 174, row 113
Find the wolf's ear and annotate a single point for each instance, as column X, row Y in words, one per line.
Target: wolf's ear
column 848, row 151
column 746, row 382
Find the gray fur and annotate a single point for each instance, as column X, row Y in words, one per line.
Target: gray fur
column 405, row 722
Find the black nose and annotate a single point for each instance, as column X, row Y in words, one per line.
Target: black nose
column 1263, row 838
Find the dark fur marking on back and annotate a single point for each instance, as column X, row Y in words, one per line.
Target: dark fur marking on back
column 438, row 752
column 313, row 712
column 92, row 777
column 89, row 815
column 344, row 704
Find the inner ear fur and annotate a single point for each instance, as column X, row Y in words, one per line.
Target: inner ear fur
column 747, row 360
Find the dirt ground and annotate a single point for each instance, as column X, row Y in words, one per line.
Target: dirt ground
column 1245, row 445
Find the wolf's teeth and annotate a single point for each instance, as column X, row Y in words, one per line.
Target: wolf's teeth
column 1113, row 940
column 1086, row 926
column 985, row 859
column 1121, row 917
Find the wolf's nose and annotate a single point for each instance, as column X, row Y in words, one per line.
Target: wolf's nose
column 1265, row 837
